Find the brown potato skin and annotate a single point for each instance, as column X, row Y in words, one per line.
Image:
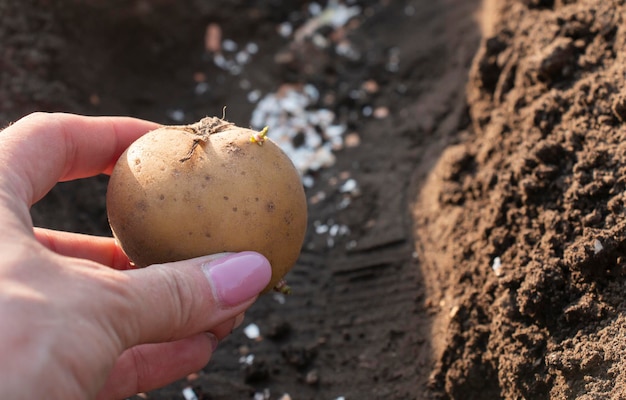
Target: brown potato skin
column 230, row 195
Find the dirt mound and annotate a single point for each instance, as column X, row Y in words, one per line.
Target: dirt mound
column 521, row 227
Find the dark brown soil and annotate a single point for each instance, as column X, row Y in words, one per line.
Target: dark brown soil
column 484, row 255
column 539, row 185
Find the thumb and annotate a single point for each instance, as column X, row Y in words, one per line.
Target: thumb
column 179, row 299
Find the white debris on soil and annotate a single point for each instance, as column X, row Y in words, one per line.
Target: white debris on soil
column 226, row 53
column 331, row 231
column 307, row 132
column 247, row 359
column 252, row 331
column 201, row 88
column 264, row 395
column 189, row 394
column 285, row 29
column 176, row 115
column 497, row 265
column 349, row 186
column 254, row 95
column 335, row 15
column 597, row 246
column 229, row 45
column 279, row 298
column 308, row 135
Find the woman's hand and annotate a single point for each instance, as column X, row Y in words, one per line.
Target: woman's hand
column 76, row 321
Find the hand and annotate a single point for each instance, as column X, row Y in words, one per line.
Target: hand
column 76, row 321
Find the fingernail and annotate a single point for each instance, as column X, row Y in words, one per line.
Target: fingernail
column 238, row 277
column 214, row 341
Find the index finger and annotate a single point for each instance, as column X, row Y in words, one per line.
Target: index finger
column 41, row 149
column 103, row 250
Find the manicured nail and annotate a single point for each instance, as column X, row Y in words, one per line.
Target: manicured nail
column 238, row 277
column 214, row 341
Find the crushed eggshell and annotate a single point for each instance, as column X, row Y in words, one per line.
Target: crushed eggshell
column 229, row 45
column 252, row 331
column 264, row 395
column 597, row 246
column 176, row 115
column 189, row 394
column 335, row 15
column 307, row 135
column 349, row 186
column 247, row 359
column 279, row 298
column 497, row 263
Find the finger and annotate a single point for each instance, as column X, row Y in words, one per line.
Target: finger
column 72, row 146
column 150, row 366
column 102, row 250
column 226, row 328
column 172, row 301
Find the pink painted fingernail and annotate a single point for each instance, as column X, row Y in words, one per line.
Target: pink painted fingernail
column 238, row 277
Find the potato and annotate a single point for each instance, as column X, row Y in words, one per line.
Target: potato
column 180, row 192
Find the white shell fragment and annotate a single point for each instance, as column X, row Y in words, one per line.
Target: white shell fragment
column 497, row 265
column 232, row 59
column 201, row 88
column 189, row 394
column 349, row 186
column 335, row 15
column 254, row 96
column 247, row 359
column 314, row 8
column 265, row 395
column 321, row 229
column 597, row 246
column 229, row 45
column 252, row 331
column 279, row 298
column 307, row 135
column 331, row 231
column 285, row 29
column 252, row 48
column 176, row 115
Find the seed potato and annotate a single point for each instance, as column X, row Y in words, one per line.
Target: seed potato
column 187, row 191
